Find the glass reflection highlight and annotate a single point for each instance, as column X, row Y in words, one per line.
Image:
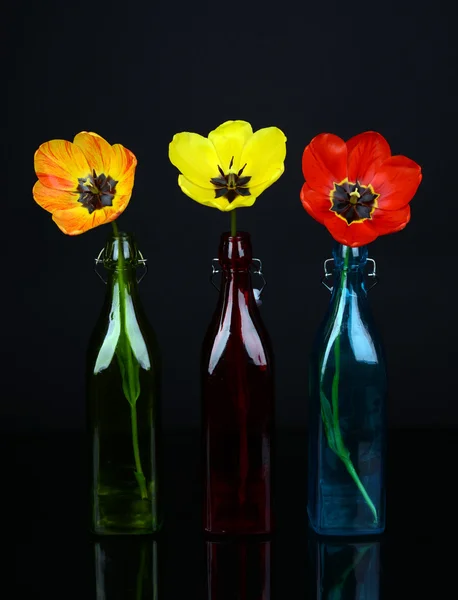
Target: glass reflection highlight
column 346, row 571
column 126, row 569
column 239, row 570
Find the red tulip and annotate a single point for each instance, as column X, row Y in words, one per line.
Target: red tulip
column 357, row 189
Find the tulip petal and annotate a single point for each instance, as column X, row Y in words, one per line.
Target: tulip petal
column 241, row 202
column 122, row 169
column 397, row 181
column 195, row 157
column 255, row 192
column 390, row 221
column 207, row 197
column 59, row 164
column 247, row 201
column 324, row 162
column 229, row 140
column 354, row 235
column 264, row 154
column 366, row 152
column 78, row 220
column 318, row 205
column 97, row 151
column 51, row 199
column 201, row 195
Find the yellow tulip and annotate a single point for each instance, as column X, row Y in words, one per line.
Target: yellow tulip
column 231, row 167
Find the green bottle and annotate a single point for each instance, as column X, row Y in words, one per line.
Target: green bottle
column 123, row 404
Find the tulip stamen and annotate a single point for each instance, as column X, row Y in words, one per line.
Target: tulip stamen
column 353, row 202
column 231, row 185
column 96, row 191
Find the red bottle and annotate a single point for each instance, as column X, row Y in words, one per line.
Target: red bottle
column 237, row 403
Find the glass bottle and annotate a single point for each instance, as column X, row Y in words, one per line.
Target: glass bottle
column 344, row 571
column 126, row 568
column 239, row 569
column 123, row 386
column 237, row 402
column 347, row 418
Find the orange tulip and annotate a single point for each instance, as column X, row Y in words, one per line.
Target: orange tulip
column 83, row 184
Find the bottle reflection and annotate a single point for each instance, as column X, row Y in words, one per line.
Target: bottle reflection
column 239, row 570
column 126, row 569
column 346, row 571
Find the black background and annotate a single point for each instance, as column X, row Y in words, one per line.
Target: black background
column 138, row 72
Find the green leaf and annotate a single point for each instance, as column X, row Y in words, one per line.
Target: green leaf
column 328, row 422
column 130, row 369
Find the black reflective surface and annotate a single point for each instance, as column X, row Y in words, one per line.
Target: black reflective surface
column 44, row 520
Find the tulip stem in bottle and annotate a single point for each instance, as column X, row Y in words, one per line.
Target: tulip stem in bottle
column 331, row 421
column 233, row 223
column 130, row 376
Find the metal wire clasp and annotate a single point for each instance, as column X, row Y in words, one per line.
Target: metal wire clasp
column 257, row 270
column 141, row 261
column 329, row 272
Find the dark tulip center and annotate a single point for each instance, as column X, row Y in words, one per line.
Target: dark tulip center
column 353, row 201
column 231, row 185
column 96, row 191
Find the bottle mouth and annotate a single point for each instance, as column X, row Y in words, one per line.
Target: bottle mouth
column 240, row 235
column 350, row 258
column 121, row 235
column 120, row 242
column 235, row 250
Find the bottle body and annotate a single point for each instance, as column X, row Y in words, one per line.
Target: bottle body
column 237, row 403
column 347, row 417
column 123, row 407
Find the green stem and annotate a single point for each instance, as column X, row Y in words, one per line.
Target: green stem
column 341, row 450
column 130, row 367
column 233, row 223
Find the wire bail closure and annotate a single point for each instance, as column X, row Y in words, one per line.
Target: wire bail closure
column 142, row 262
column 329, row 272
column 257, row 270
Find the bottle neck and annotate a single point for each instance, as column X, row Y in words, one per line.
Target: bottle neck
column 127, row 277
column 235, row 257
column 121, row 259
column 235, row 253
column 349, row 265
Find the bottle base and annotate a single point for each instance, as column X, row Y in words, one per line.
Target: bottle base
column 106, row 527
column 105, row 532
column 344, row 531
column 229, row 532
column 123, row 512
column 341, row 532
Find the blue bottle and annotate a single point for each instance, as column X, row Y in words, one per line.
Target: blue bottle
column 347, row 416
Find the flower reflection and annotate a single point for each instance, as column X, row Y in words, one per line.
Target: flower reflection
column 346, row 570
column 126, row 568
column 239, row 569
